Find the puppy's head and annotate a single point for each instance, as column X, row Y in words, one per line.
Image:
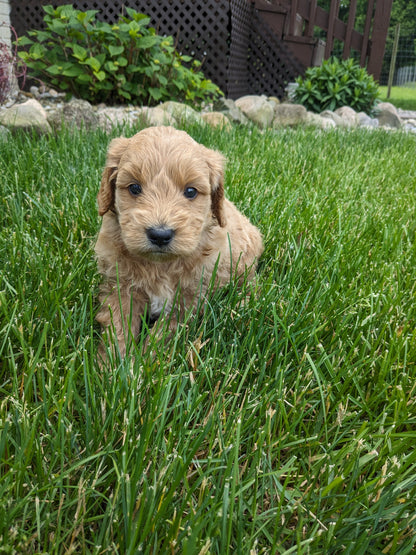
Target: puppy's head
column 166, row 189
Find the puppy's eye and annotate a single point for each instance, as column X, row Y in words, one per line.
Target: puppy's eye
column 190, row 192
column 135, row 189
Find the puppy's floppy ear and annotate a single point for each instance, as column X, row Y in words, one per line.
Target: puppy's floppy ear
column 215, row 162
column 105, row 195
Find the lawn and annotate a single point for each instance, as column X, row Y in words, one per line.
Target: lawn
column 282, row 424
column 401, row 97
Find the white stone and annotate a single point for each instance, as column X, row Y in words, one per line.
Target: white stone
column 28, row 115
column 290, row 115
column 217, row 119
column 348, row 115
column 257, row 109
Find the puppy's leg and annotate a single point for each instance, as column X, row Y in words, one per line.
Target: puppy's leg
column 120, row 316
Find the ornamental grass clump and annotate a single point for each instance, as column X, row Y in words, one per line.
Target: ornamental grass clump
column 100, row 62
column 337, row 83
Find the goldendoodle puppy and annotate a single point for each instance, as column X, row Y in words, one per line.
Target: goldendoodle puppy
column 166, row 229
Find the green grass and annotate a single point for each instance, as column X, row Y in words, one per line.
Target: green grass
column 284, row 424
column 401, row 97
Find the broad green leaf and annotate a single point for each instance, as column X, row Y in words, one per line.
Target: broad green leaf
column 121, row 61
column 139, row 17
column 110, row 66
column 84, row 78
column 73, row 71
column 115, row 50
column 156, row 94
column 79, row 52
column 147, row 41
column 100, row 75
column 93, row 63
column 55, row 69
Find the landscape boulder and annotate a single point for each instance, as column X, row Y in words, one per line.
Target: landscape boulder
column 217, row 119
column 156, row 116
column 257, row 109
column 348, row 115
column 228, row 107
column 335, row 118
column 181, row 112
column 320, row 122
column 290, row 115
column 111, row 117
column 4, row 132
column 388, row 115
column 29, row 115
column 365, row 120
column 76, row 112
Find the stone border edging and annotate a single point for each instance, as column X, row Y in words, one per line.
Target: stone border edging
column 47, row 111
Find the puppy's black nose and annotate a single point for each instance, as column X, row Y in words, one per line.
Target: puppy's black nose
column 160, row 236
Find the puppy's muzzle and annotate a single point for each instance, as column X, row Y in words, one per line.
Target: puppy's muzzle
column 160, row 237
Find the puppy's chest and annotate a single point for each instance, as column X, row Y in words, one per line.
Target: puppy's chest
column 161, row 297
column 158, row 304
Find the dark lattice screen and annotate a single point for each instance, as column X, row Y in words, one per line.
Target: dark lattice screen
column 240, row 54
column 271, row 63
column 237, row 78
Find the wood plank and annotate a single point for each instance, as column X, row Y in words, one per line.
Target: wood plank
column 310, row 25
column 292, row 22
column 366, row 33
column 378, row 39
column 333, row 14
column 350, row 27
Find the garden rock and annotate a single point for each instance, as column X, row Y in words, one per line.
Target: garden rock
column 257, row 109
column 365, row 120
column 181, row 112
column 335, row 118
column 76, row 112
column 51, row 110
column 229, row 108
column 320, row 122
column 156, row 116
column 290, row 115
column 388, row 115
column 29, row 115
column 348, row 115
column 274, row 101
column 111, row 117
column 4, row 132
column 217, row 119
column 410, row 125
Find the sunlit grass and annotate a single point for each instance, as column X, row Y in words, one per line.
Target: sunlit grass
column 282, row 424
column 401, row 97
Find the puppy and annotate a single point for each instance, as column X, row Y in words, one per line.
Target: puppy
column 166, row 229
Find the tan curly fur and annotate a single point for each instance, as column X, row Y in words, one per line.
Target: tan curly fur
column 164, row 240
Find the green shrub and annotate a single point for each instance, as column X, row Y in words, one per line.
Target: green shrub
column 100, row 62
column 337, row 83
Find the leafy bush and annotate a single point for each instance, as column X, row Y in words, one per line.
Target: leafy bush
column 337, row 83
column 100, row 62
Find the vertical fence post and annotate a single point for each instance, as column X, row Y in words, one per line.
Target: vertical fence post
column 378, row 36
column 393, row 59
column 333, row 14
column 293, row 14
column 350, row 28
column 366, row 33
column 310, row 24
